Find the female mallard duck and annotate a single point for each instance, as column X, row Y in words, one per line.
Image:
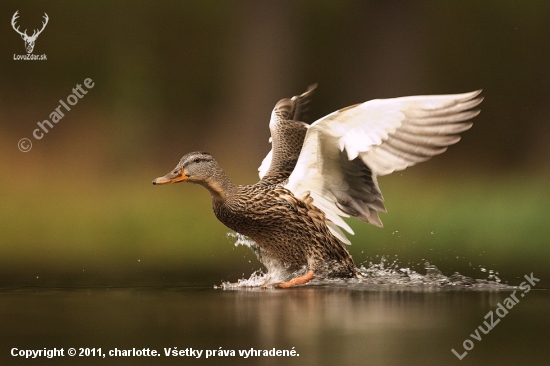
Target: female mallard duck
column 316, row 174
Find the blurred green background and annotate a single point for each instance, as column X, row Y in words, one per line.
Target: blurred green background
column 178, row 76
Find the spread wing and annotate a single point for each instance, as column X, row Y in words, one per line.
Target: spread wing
column 288, row 131
column 344, row 152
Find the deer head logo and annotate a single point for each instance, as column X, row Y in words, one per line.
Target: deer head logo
column 29, row 40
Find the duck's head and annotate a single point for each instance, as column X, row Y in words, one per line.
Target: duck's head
column 195, row 167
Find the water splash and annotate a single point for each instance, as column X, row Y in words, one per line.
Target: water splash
column 373, row 276
column 276, row 273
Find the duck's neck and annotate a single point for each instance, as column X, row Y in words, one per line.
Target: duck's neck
column 219, row 185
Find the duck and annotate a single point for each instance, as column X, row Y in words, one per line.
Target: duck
column 317, row 174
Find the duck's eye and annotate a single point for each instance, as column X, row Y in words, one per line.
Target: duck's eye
column 196, row 160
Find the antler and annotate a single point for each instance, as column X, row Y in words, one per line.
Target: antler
column 15, row 16
column 34, row 35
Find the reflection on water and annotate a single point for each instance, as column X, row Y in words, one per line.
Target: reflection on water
column 325, row 325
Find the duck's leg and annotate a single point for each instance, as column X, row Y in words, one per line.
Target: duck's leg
column 300, row 280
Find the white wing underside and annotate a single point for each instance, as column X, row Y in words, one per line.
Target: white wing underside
column 344, row 151
column 266, row 163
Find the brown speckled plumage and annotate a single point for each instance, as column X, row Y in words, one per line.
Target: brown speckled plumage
column 288, row 130
column 289, row 229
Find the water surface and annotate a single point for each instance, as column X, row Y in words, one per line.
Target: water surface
column 325, row 325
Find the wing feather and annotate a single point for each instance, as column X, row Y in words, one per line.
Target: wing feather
column 345, row 151
column 288, row 128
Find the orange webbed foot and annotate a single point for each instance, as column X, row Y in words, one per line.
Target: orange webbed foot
column 300, row 280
